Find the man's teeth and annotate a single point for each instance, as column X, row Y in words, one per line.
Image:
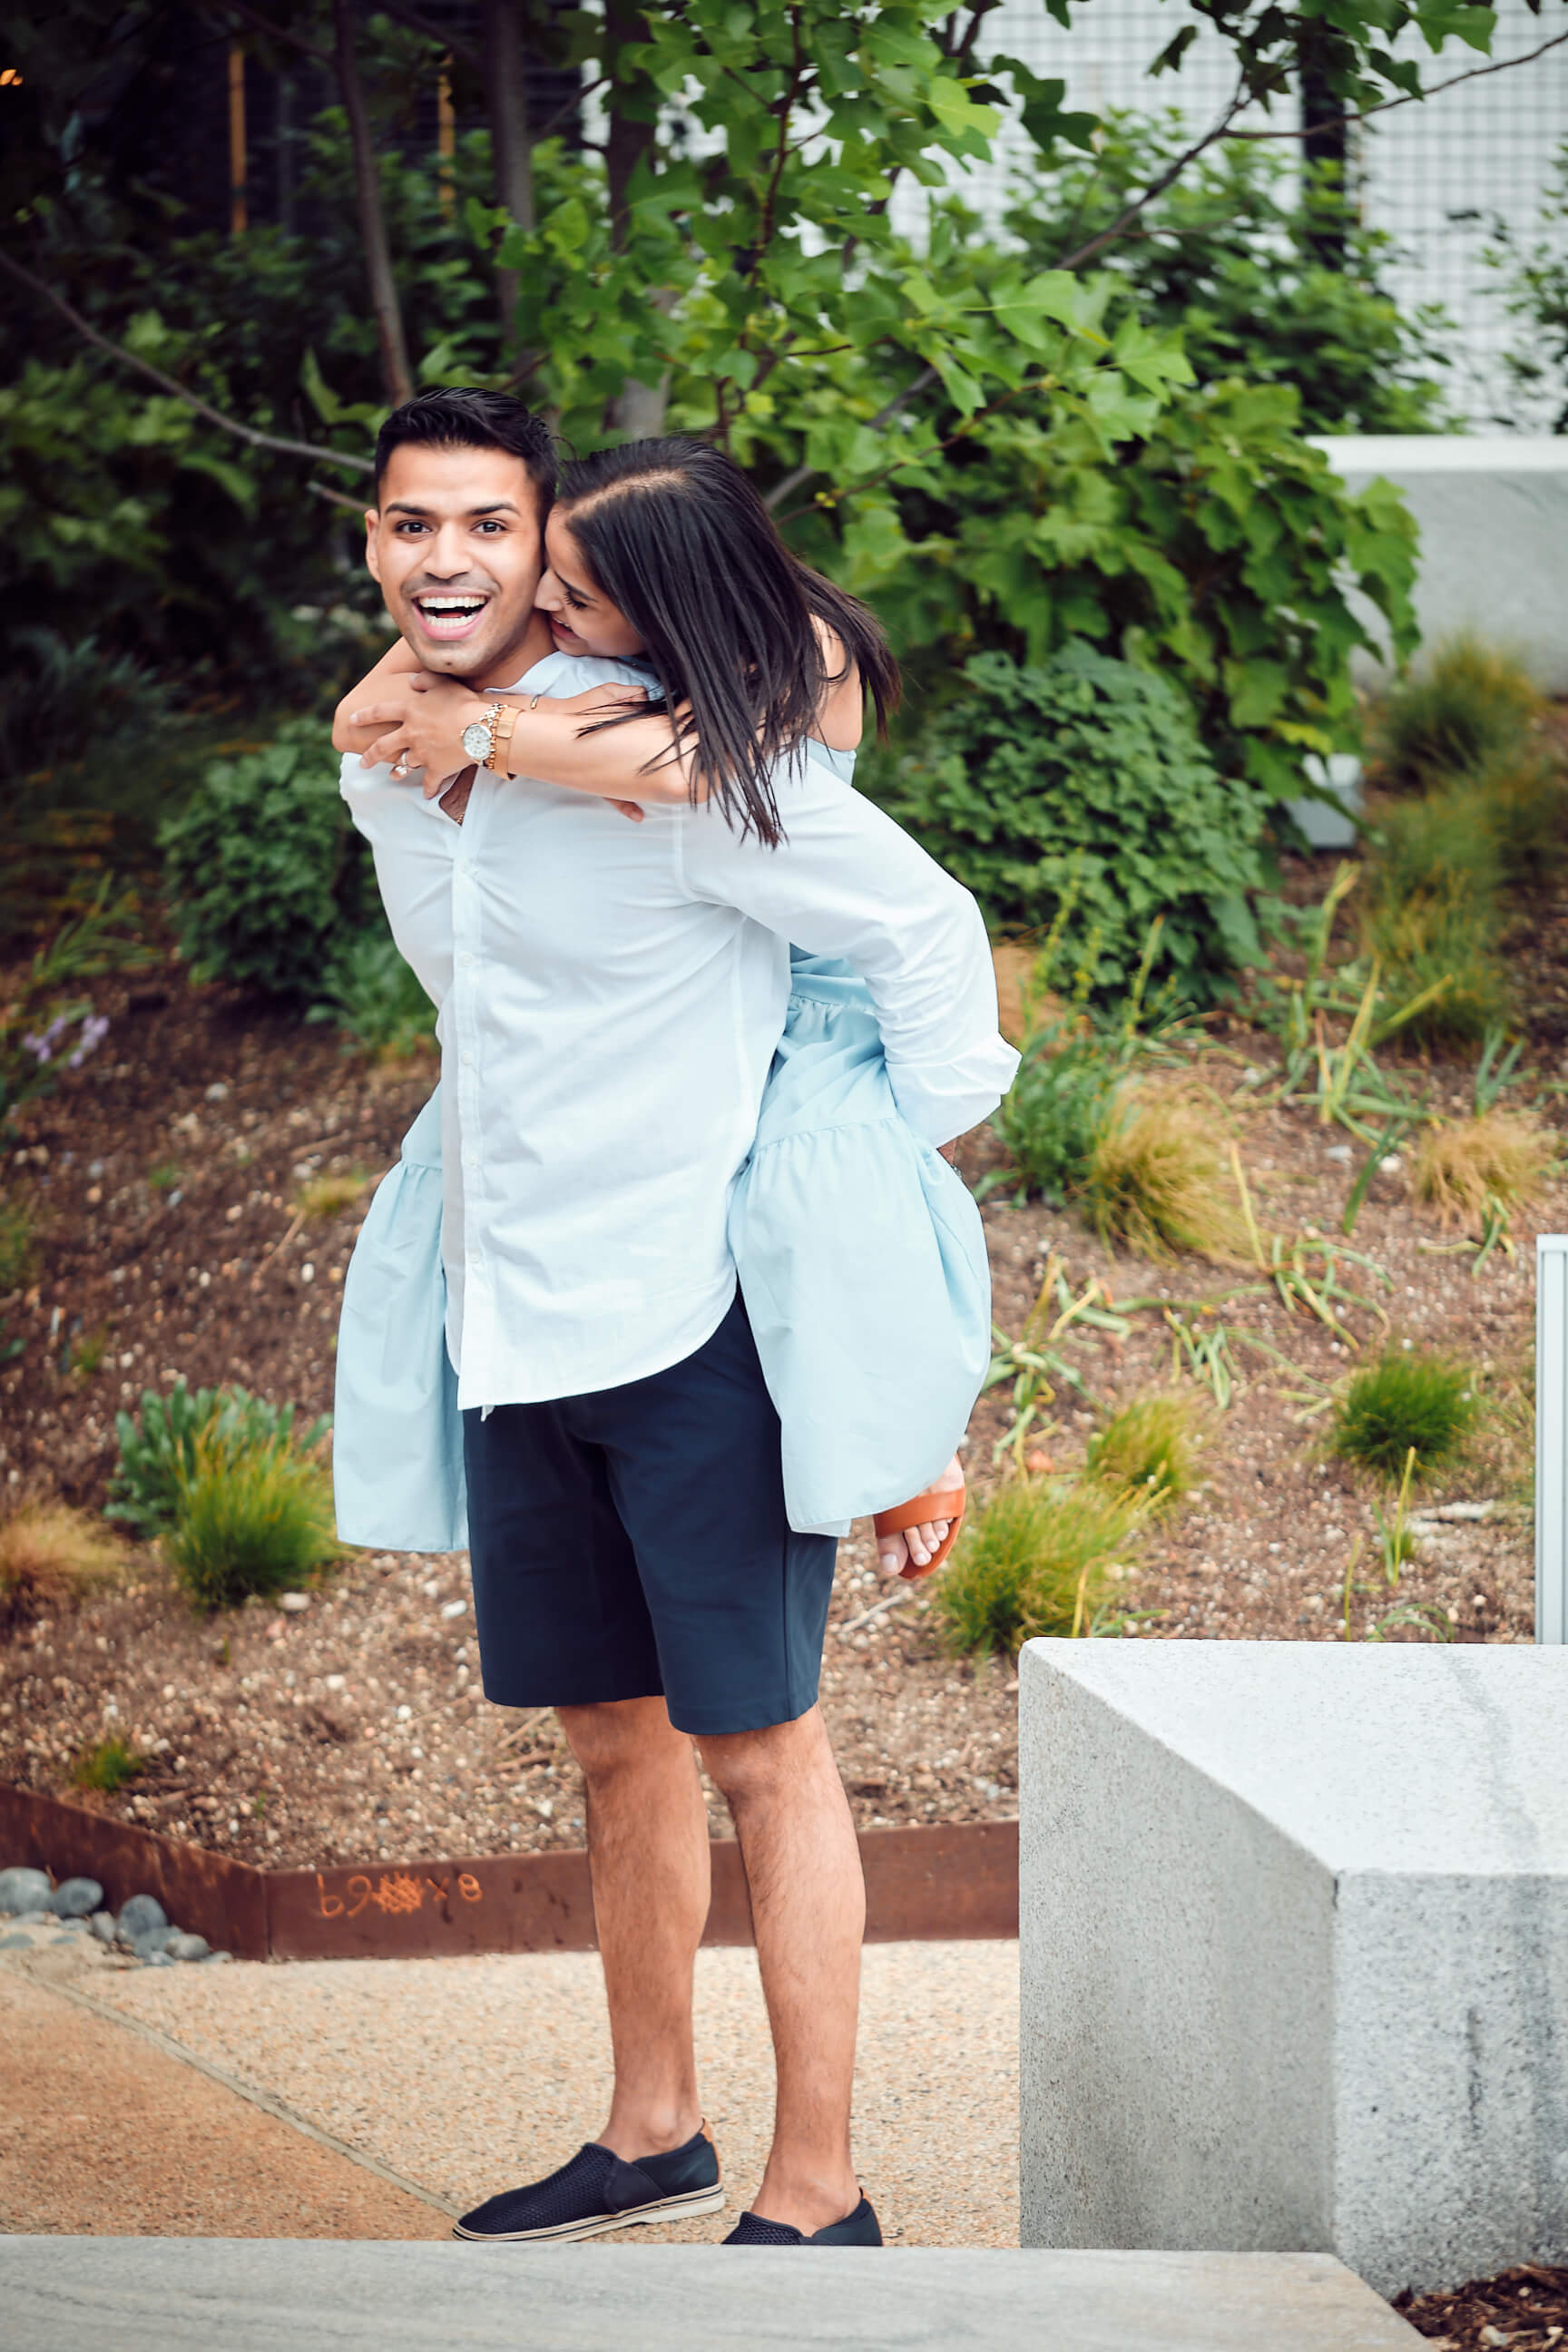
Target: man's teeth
column 458, row 607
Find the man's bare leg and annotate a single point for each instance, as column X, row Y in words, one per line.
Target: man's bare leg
column 647, row 1846
column 808, row 1910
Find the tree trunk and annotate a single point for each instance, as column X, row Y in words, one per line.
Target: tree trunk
column 638, row 412
column 397, row 381
column 506, row 83
column 1327, row 144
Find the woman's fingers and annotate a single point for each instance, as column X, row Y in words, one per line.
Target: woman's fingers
column 387, row 752
column 629, row 808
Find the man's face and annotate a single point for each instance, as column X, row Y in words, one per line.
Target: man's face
column 457, row 552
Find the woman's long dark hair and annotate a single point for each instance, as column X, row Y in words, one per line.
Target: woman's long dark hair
column 677, row 538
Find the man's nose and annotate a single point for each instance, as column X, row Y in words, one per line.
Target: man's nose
column 448, row 554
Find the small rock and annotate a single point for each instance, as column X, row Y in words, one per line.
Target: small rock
column 75, row 1898
column 21, row 1889
column 454, row 1608
column 157, row 1960
column 102, row 1925
column 213, row 1957
column 44, row 1918
column 152, row 1942
column 142, row 1912
column 19, row 1942
column 293, row 1602
column 188, row 1947
column 1340, row 1151
column 218, row 1091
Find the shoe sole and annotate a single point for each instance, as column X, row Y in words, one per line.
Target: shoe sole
column 669, row 2208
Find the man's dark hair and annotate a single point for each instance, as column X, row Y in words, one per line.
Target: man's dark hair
column 675, row 536
column 464, row 416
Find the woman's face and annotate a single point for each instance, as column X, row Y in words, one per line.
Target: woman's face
column 582, row 618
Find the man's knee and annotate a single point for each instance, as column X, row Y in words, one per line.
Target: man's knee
column 751, row 1766
column 618, row 1735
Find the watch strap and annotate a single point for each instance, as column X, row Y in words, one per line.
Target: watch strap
column 505, row 721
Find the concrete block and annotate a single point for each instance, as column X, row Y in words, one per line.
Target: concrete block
column 1492, row 511
column 1294, row 1925
column 251, row 2295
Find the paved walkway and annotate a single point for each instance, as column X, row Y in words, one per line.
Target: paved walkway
column 253, row 2099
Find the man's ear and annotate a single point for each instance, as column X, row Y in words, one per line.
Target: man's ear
column 371, row 558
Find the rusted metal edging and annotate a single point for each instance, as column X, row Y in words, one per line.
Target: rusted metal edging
column 922, row 1885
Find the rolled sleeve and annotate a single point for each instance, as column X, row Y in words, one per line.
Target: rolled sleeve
column 847, row 882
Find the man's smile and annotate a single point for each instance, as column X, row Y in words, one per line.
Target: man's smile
column 450, row 614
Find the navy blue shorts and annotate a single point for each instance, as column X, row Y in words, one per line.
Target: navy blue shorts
column 633, row 1544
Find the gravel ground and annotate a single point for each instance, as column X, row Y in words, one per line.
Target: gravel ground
column 468, row 2075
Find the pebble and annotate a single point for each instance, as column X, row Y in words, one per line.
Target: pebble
column 152, row 1942
column 102, row 1925
column 213, row 1957
column 139, row 1914
column 75, row 1898
column 19, row 1942
column 188, row 1947
column 293, row 1602
column 24, row 1890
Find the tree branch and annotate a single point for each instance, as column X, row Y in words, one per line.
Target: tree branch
column 443, row 37
column 315, row 451
column 1157, row 187
column 274, row 31
column 1411, row 98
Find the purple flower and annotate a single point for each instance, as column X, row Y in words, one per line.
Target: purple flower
column 93, row 1031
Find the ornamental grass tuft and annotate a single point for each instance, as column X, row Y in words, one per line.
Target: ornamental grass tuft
column 1405, row 1399
column 252, row 1517
column 108, row 1766
column 1148, row 1451
column 1038, row 1560
column 1468, row 707
column 1500, row 1158
column 1159, row 1179
column 50, row 1552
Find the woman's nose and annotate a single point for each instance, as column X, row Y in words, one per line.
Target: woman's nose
column 547, row 595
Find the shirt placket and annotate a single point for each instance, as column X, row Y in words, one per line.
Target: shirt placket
column 467, row 986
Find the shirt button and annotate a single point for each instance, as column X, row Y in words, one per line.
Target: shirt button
column 468, row 959
column 467, row 1061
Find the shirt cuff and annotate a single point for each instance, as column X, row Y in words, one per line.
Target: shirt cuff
column 944, row 1099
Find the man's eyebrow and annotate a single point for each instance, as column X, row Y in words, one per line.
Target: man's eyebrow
column 492, row 506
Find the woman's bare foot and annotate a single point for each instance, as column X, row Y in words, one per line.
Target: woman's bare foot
column 917, row 1546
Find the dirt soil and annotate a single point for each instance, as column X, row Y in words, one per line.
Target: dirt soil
column 165, row 1176
column 1526, row 2309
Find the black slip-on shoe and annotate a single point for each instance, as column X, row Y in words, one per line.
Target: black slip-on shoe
column 858, row 2228
column 597, row 2191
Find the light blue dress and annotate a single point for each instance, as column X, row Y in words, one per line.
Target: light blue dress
column 861, row 1259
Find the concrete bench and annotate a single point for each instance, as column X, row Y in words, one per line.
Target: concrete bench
column 185, row 2294
column 1294, row 1923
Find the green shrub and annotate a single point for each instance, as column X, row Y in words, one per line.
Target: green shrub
column 108, row 1766
column 375, row 1000
column 1405, row 1400
column 1526, row 807
column 1050, row 1118
column 1148, row 1450
column 1036, row 1560
column 1456, row 714
column 145, row 1488
column 1082, row 782
column 251, row 1518
column 267, row 878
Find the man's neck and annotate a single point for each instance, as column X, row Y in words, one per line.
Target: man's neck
column 505, row 670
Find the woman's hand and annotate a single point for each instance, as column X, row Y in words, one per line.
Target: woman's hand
column 419, row 725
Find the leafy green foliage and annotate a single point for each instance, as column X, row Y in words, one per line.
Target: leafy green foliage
column 1236, row 254
column 163, row 1447
column 1464, row 708
column 1148, row 1449
column 266, row 875
column 374, row 999
column 18, row 1231
column 1036, row 1560
column 108, row 1766
column 1082, row 782
column 251, row 1518
column 1406, row 1399
column 1535, row 281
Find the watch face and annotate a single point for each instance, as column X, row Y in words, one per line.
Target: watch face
column 476, row 740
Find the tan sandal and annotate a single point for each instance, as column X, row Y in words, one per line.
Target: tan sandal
column 948, row 1503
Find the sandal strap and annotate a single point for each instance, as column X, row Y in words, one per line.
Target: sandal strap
column 936, row 1503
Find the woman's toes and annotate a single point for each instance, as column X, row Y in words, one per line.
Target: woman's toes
column 892, row 1555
